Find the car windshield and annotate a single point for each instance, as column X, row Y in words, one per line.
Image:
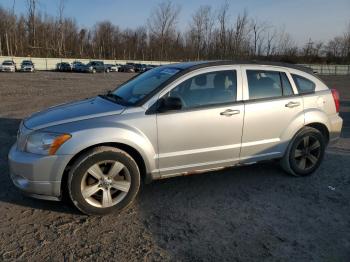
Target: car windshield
column 26, row 63
column 7, row 63
column 136, row 89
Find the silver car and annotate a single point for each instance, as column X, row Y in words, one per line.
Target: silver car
column 174, row 120
column 8, row 66
column 27, row 66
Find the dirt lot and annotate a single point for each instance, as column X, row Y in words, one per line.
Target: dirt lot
column 254, row 213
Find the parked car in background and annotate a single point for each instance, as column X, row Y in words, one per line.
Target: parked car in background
column 8, row 66
column 64, row 67
column 27, row 66
column 140, row 68
column 149, row 67
column 94, row 67
column 128, row 68
column 111, row 68
column 177, row 119
column 78, row 66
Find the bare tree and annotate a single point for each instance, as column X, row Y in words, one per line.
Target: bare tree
column 258, row 29
column 223, row 17
column 162, row 24
column 60, row 27
column 201, row 30
column 31, row 10
column 270, row 42
column 210, row 35
column 286, row 44
column 240, row 32
column 347, row 41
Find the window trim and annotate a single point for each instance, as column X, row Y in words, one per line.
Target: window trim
column 278, row 69
column 281, row 84
column 199, row 108
column 270, row 98
column 153, row 102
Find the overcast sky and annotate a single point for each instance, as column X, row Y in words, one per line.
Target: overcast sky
column 318, row 19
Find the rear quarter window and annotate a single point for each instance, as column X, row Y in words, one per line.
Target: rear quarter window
column 304, row 86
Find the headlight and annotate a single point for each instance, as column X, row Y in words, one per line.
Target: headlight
column 44, row 143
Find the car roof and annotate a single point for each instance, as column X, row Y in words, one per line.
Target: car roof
column 189, row 66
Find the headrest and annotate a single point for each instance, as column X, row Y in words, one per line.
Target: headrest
column 219, row 81
column 201, row 80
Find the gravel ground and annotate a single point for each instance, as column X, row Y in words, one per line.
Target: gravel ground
column 253, row 213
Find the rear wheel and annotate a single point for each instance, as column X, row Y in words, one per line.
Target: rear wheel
column 103, row 180
column 305, row 153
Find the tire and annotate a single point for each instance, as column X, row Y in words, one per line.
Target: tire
column 99, row 171
column 305, row 152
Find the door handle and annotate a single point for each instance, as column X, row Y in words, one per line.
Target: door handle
column 229, row 112
column 292, row 104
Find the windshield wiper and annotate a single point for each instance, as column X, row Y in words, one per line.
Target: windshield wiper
column 113, row 97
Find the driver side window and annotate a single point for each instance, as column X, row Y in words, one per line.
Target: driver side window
column 206, row 89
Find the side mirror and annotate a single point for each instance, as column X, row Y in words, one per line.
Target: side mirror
column 170, row 103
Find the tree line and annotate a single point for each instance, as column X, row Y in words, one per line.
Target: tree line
column 212, row 33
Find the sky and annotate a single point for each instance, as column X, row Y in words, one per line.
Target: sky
column 319, row 20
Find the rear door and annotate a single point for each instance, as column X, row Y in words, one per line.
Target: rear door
column 273, row 111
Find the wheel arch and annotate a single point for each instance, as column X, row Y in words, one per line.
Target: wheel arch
column 135, row 154
column 320, row 127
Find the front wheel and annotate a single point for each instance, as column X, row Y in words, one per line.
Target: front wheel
column 305, row 152
column 103, row 180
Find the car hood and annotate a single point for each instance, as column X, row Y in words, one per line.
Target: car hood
column 72, row 112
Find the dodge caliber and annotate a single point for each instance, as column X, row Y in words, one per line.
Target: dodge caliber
column 174, row 120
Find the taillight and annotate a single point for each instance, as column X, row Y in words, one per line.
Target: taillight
column 335, row 95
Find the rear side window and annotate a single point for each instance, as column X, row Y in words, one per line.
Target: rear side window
column 304, row 85
column 268, row 84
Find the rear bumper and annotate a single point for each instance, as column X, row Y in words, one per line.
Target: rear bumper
column 336, row 124
column 36, row 175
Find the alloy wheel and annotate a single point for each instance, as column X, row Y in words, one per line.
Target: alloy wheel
column 105, row 184
column 307, row 152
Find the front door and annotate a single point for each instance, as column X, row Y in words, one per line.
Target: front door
column 206, row 133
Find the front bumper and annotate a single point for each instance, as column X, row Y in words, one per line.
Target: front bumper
column 7, row 69
column 27, row 69
column 36, row 175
